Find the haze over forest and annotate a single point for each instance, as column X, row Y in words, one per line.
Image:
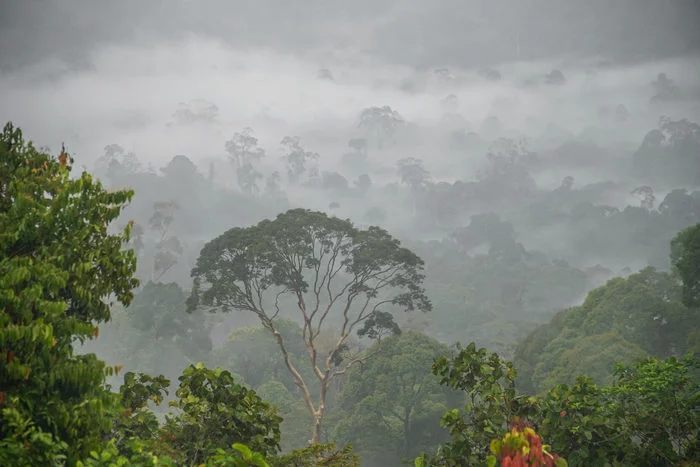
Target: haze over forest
column 527, row 151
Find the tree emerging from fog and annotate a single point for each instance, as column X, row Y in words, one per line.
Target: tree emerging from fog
column 325, row 272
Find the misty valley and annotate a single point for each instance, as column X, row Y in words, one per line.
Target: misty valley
column 217, row 256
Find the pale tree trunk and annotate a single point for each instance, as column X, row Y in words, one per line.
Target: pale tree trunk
column 318, row 422
column 326, row 374
column 316, row 413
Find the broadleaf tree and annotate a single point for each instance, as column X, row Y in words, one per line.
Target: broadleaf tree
column 59, row 270
column 393, row 404
column 324, row 271
column 216, row 411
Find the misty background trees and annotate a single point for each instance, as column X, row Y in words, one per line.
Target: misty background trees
column 517, row 182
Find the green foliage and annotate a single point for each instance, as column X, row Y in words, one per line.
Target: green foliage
column 241, row 456
column 324, row 271
column 591, row 355
column 58, row 265
column 493, row 298
column 623, row 321
column 668, row 153
column 216, row 412
column 110, row 456
column 294, row 429
column 658, row 403
column 136, row 421
column 685, row 258
column 158, row 310
column 318, row 455
column 578, row 420
column 393, row 404
column 489, row 384
column 154, row 334
column 254, row 355
column 159, row 328
column 649, row 416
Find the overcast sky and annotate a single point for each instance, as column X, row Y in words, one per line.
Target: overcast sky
column 116, row 71
column 407, row 32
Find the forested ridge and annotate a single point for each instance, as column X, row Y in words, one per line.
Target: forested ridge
column 500, row 268
column 333, row 363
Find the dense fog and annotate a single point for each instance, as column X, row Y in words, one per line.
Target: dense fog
column 528, row 140
column 527, row 151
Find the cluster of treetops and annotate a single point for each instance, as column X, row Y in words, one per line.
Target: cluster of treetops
column 61, row 271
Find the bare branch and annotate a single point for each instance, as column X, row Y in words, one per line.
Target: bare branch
column 355, row 361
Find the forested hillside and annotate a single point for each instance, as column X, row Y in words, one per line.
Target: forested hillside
column 326, row 376
column 349, row 234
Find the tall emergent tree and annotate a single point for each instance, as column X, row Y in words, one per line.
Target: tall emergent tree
column 58, row 266
column 331, row 275
column 243, row 151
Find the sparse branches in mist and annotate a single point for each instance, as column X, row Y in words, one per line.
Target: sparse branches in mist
column 321, row 269
column 412, row 173
column 272, row 185
column 669, row 153
column 509, row 164
column 169, row 248
column 381, row 124
column 243, row 148
column 117, row 161
column 296, row 157
column 646, row 193
column 114, row 151
column 248, row 177
column 243, row 151
column 136, row 239
column 415, row 176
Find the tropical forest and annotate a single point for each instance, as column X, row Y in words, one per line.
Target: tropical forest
column 385, row 234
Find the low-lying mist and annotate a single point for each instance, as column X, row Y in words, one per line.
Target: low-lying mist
column 130, row 94
column 536, row 153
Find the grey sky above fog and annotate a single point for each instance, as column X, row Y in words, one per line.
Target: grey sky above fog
column 407, row 32
column 91, row 73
